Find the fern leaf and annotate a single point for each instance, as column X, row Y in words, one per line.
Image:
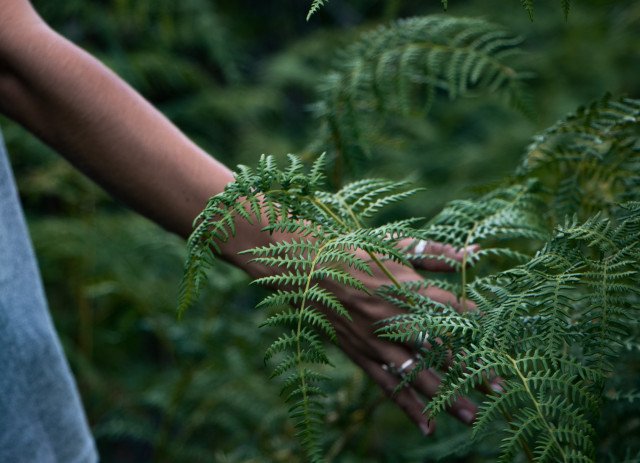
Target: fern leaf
column 528, row 5
column 315, row 6
column 331, row 236
column 588, row 162
column 401, row 68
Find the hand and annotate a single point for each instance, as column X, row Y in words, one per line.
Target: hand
column 357, row 338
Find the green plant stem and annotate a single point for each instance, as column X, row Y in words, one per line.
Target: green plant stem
column 372, row 255
column 303, row 302
column 536, row 404
column 467, row 243
column 507, row 416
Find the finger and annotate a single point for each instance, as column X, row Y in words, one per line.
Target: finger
column 428, row 382
column 463, row 409
column 437, row 257
column 407, row 398
column 448, row 298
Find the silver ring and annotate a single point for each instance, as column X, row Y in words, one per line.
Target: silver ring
column 398, row 371
column 404, row 367
column 420, row 247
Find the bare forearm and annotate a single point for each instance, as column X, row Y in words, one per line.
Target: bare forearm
column 102, row 126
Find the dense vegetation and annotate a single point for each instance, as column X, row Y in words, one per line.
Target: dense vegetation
column 240, row 79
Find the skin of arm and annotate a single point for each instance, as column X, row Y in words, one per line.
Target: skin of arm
column 103, row 127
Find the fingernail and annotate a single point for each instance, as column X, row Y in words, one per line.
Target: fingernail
column 465, row 415
column 426, row 429
column 497, row 388
column 471, row 248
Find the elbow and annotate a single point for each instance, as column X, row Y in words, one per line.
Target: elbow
column 13, row 95
column 9, row 90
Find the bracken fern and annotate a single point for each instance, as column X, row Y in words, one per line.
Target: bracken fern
column 400, row 69
column 552, row 327
column 555, row 282
column 327, row 231
column 588, row 161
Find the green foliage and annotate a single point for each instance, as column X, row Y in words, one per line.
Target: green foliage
column 237, row 77
column 400, row 69
column 330, row 229
column 550, row 328
column 315, row 6
column 527, row 4
column 588, row 161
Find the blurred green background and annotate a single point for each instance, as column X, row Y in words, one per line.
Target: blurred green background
column 239, row 77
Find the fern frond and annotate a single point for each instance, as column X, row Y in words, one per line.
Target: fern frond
column 507, row 213
column 310, row 317
column 315, row 6
column 401, row 68
column 328, row 238
column 408, row 327
column 551, row 329
column 528, row 5
column 589, row 161
column 512, row 211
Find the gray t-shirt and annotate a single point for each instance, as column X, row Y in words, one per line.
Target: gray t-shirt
column 41, row 417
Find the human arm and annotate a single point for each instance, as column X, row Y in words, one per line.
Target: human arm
column 100, row 124
column 103, row 127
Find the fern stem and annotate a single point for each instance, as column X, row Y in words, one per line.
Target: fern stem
column 328, row 210
column 349, row 210
column 372, row 255
column 384, row 269
column 463, row 271
column 525, row 383
column 467, row 243
column 507, row 416
column 303, row 302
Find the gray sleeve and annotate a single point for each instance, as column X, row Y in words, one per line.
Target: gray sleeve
column 41, row 416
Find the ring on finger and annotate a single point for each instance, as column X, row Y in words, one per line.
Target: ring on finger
column 400, row 371
column 420, row 247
